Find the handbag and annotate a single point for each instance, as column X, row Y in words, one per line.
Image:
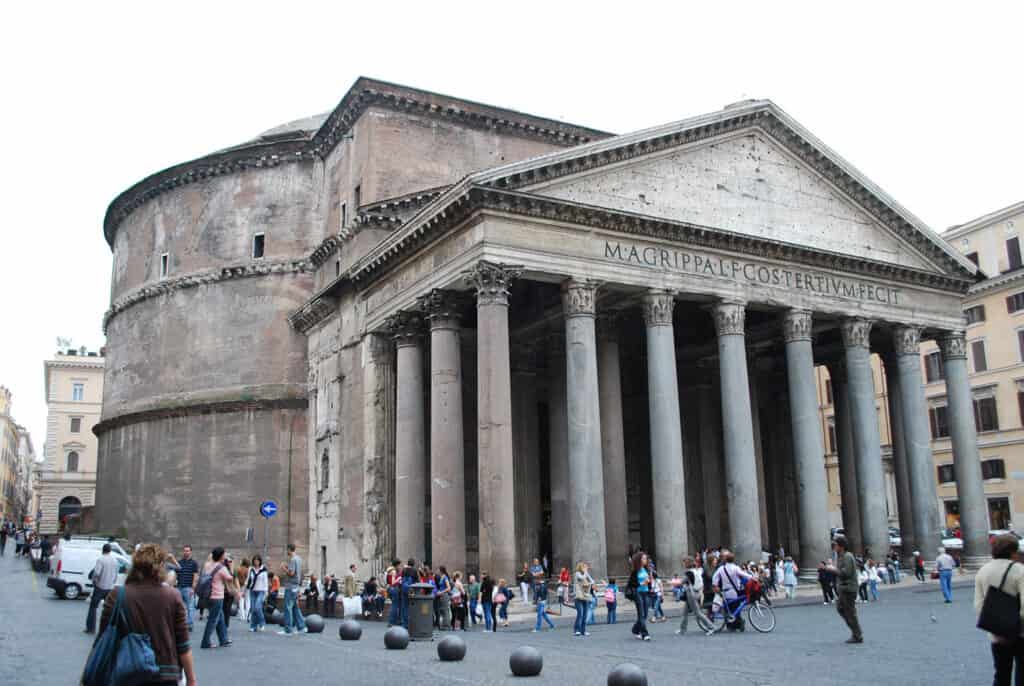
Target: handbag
column 136, row 661
column 500, row 598
column 101, row 658
column 1000, row 612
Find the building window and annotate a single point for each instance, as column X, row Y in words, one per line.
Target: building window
column 973, row 257
column 357, row 197
column 325, row 471
column 76, row 425
column 344, row 215
column 933, row 370
column 828, row 392
column 993, row 469
column 947, row 474
column 986, row 417
column 978, row 356
column 164, row 262
column 1020, row 343
column 337, row 268
column 1015, row 303
column 72, row 462
column 999, row 513
column 938, row 418
column 832, row 443
column 1013, row 253
column 78, row 391
column 257, row 246
column 975, row 314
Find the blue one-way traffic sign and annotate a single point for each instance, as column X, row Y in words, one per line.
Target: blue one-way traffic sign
column 268, row 508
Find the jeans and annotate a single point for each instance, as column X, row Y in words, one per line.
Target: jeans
column 188, row 596
column 472, row 610
column 826, row 591
column 591, row 606
column 1004, row 657
column 658, row 612
column 403, row 612
column 215, row 621
column 97, row 597
column 542, row 615
column 256, row 618
column 488, row 607
column 640, row 625
column 292, row 613
column 395, row 617
column 503, row 611
column 612, row 619
column 790, row 591
column 946, row 581
column 579, row 627
column 873, row 587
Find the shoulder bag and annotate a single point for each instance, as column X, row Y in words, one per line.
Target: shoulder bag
column 136, row 661
column 100, row 663
column 1000, row 612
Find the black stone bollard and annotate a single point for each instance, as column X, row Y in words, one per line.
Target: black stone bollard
column 314, row 624
column 350, row 630
column 451, row 649
column 627, row 674
column 525, row 661
column 396, row 638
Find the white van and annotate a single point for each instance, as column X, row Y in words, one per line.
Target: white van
column 74, row 560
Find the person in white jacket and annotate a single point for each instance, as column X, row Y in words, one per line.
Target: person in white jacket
column 257, row 584
column 873, row 578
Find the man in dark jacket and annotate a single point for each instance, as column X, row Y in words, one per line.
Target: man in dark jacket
column 848, row 586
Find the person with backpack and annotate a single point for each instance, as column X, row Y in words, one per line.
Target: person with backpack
column 257, row 584
column 409, row 577
column 692, row 585
column 1002, row 578
column 292, row 572
column 214, row 583
column 540, row 599
column 611, row 601
column 638, row 590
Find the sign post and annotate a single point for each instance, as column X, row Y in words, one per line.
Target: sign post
column 268, row 508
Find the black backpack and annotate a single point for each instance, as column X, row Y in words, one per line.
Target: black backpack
column 205, row 587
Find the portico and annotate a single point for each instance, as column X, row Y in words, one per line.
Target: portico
column 673, row 291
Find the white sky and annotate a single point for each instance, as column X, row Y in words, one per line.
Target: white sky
column 926, row 101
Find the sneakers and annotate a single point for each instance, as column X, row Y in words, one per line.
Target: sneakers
column 586, row 633
column 679, row 632
column 854, row 639
column 647, row 638
column 282, row 632
column 576, row 633
column 305, row 630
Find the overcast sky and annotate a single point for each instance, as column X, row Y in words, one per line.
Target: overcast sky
column 926, row 102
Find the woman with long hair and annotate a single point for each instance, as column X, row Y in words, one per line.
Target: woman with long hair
column 639, row 588
column 583, row 589
column 257, row 584
column 156, row 610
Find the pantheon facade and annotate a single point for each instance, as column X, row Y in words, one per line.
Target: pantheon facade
column 438, row 329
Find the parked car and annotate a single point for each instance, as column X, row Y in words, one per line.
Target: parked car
column 72, row 563
column 836, row 531
column 999, row 532
column 951, row 542
column 895, row 540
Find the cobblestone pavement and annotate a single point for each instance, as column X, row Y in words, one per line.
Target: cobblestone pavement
column 41, row 643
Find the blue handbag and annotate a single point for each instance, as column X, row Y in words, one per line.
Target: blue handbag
column 136, row 661
column 100, row 664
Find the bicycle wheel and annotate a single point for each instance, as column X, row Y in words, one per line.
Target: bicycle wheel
column 716, row 620
column 761, row 617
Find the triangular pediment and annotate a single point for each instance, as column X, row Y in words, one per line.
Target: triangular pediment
column 747, row 184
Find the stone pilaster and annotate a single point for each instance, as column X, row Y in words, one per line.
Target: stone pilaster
column 856, row 334
column 410, row 455
column 494, row 412
column 447, row 444
column 811, row 486
column 586, row 482
column 737, row 431
column 613, row 444
column 964, row 437
column 846, row 454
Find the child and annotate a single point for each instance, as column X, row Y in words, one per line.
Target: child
column 659, row 596
column 611, row 600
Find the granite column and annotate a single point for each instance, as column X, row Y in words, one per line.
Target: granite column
column 900, row 454
column 410, row 443
column 558, row 451
column 613, row 445
column 845, row 454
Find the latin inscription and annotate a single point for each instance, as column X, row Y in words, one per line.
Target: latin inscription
column 714, row 267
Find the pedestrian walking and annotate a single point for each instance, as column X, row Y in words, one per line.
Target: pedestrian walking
column 487, row 593
column 873, row 576
column 1002, row 573
column 540, row 599
column 564, row 578
column 945, row 563
column 186, row 573
column 408, row 579
column 19, row 541
column 826, row 582
column 256, row 584
column 502, row 598
column 583, row 589
column 638, row 589
column 241, row 579
column 894, row 568
column 103, row 577
column 220, row 581
column 155, row 610
column 846, row 603
column 789, row 572
column 918, row 566
column 294, row 622
column 611, row 601
column 691, row 586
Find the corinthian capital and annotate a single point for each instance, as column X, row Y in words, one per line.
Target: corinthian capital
column 906, row 340
column 953, row 345
column 856, row 333
column 578, row 298
column 491, row 281
column 441, row 308
column 658, row 306
column 730, row 318
column 796, row 326
column 405, row 327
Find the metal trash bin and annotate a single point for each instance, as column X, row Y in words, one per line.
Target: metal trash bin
column 421, row 612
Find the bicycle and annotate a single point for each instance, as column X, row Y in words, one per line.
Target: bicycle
column 760, row 615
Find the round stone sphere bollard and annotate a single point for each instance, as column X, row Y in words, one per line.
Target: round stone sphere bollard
column 396, row 638
column 350, row 630
column 451, row 649
column 627, row 674
column 525, row 661
column 276, row 617
column 314, row 624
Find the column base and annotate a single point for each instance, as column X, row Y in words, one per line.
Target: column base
column 972, row 563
